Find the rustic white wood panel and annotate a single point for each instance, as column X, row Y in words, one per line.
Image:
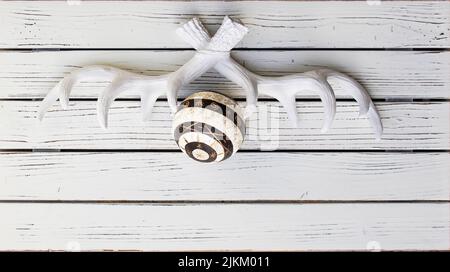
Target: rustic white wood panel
column 154, row 176
column 128, row 24
column 420, row 125
column 385, row 74
column 221, row 227
column 92, row 191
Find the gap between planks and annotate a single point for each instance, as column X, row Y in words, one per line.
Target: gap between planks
column 62, row 49
column 400, row 100
column 224, row 202
column 387, row 151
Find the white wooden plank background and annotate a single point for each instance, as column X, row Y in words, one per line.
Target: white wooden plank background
column 273, row 176
column 97, row 195
column 385, row 74
column 218, row 227
column 353, row 24
column 418, row 125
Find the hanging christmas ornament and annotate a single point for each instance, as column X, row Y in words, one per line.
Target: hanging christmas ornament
column 209, row 127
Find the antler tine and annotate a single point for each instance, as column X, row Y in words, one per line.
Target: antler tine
column 48, row 101
column 285, row 94
column 244, row 78
column 285, row 88
column 351, row 86
column 375, row 120
column 106, row 98
column 62, row 90
column 327, row 96
column 359, row 93
column 121, row 82
column 149, row 96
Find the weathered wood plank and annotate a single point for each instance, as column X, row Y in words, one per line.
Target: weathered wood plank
column 385, row 74
column 420, row 125
column 128, row 24
column 154, row 176
column 223, row 227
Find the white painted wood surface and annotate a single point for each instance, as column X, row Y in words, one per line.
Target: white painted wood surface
column 255, row 176
column 385, row 74
column 218, row 227
column 353, row 24
column 421, row 125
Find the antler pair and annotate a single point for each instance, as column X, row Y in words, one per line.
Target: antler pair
column 215, row 53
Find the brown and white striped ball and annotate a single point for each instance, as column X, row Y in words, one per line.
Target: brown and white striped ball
column 209, row 127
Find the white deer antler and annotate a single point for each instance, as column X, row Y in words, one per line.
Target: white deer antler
column 215, row 53
column 285, row 88
column 150, row 87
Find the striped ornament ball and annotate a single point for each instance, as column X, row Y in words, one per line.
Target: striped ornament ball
column 209, row 127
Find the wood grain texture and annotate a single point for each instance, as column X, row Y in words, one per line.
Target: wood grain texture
column 255, row 176
column 128, row 24
column 421, row 125
column 385, row 74
column 221, row 227
column 108, row 175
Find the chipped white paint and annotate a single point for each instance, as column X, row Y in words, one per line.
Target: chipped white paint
column 287, row 24
column 385, row 74
column 225, row 227
column 296, row 176
column 419, row 125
